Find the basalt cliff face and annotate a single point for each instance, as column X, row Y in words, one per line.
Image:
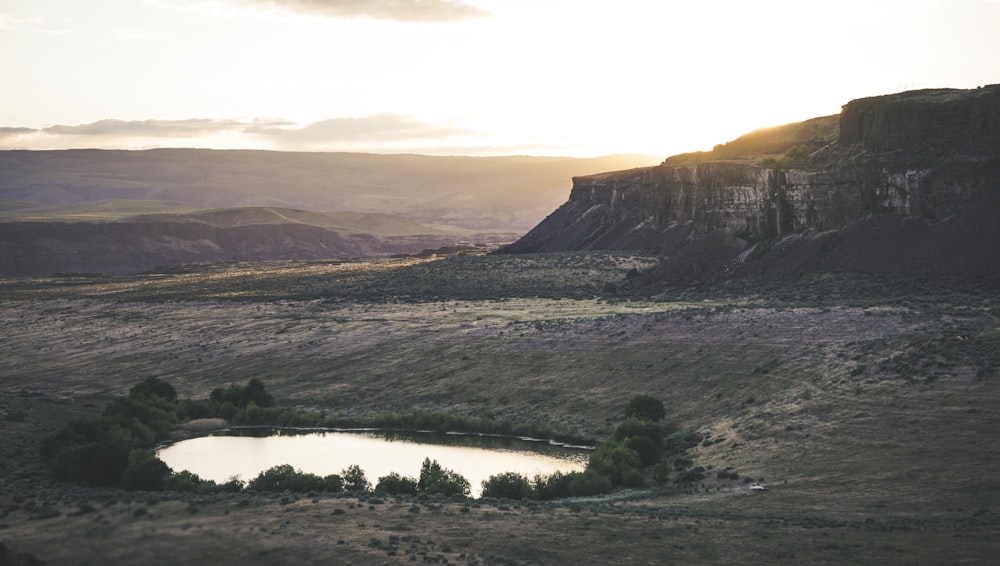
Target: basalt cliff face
column 917, row 172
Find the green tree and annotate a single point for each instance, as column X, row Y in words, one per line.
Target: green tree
column 645, row 407
column 643, row 436
column 650, row 452
column 240, row 396
column 255, row 392
column 355, row 480
column 142, row 414
column 91, row 451
column 437, row 480
column 612, row 460
column 154, row 387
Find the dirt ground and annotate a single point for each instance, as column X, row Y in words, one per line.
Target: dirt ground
column 872, row 421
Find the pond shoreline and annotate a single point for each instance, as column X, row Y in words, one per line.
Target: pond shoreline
column 180, row 435
column 245, row 452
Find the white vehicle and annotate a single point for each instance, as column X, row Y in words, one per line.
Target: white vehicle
column 757, row 487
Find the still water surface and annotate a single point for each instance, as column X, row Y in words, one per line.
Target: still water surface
column 219, row 458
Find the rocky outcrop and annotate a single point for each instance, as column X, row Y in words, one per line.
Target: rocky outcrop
column 928, row 155
column 926, row 122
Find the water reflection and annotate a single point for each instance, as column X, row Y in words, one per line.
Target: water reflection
column 247, row 452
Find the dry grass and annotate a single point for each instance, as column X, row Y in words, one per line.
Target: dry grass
column 871, row 418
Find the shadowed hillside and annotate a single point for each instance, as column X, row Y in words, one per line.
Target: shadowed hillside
column 67, row 239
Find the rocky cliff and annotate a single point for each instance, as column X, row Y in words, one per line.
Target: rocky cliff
column 928, row 160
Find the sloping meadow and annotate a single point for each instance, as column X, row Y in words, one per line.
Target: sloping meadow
column 867, row 414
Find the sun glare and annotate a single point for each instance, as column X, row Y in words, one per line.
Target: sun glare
column 587, row 76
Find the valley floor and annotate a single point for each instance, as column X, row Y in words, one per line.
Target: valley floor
column 866, row 406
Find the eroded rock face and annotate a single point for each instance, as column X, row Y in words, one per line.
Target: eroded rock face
column 929, row 155
column 937, row 121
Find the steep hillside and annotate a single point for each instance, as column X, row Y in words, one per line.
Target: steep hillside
column 907, row 182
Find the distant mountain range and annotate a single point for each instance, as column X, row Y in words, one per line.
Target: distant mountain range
column 128, row 211
column 506, row 194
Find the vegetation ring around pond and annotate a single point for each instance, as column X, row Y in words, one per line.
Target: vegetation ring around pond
column 246, row 452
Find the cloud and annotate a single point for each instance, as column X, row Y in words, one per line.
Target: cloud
column 385, row 131
column 8, row 132
column 150, row 128
column 399, row 10
column 380, row 128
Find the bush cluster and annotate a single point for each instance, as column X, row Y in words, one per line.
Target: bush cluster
column 636, row 452
column 287, row 478
column 117, row 449
column 433, row 480
column 99, row 450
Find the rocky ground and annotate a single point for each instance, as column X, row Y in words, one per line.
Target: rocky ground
column 866, row 407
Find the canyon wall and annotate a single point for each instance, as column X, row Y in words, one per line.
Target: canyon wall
column 930, row 155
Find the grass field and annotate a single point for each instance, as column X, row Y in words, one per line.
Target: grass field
column 866, row 404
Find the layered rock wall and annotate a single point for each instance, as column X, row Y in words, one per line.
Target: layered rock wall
column 929, row 154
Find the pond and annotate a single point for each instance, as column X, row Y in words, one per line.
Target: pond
column 246, row 453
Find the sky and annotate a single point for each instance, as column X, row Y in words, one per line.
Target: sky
column 466, row 77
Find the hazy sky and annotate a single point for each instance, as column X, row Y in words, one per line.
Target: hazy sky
column 564, row 77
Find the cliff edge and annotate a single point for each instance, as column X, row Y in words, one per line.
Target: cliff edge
column 908, row 182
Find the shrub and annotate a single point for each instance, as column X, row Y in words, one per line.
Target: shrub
column 682, row 463
column 649, row 451
column 154, row 387
column 183, row 481
column 574, row 484
column 93, row 451
column 661, row 473
column 588, row 483
column 633, row 477
column 681, row 441
column 437, row 480
column 554, row 486
column 95, row 464
column 241, row 396
column 333, row 483
column 612, row 460
column 145, row 471
column 287, row 478
column 633, row 427
column 508, row 485
column 692, row 475
column 235, row 485
column 155, row 414
column 395, row 484
column 645, row 407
